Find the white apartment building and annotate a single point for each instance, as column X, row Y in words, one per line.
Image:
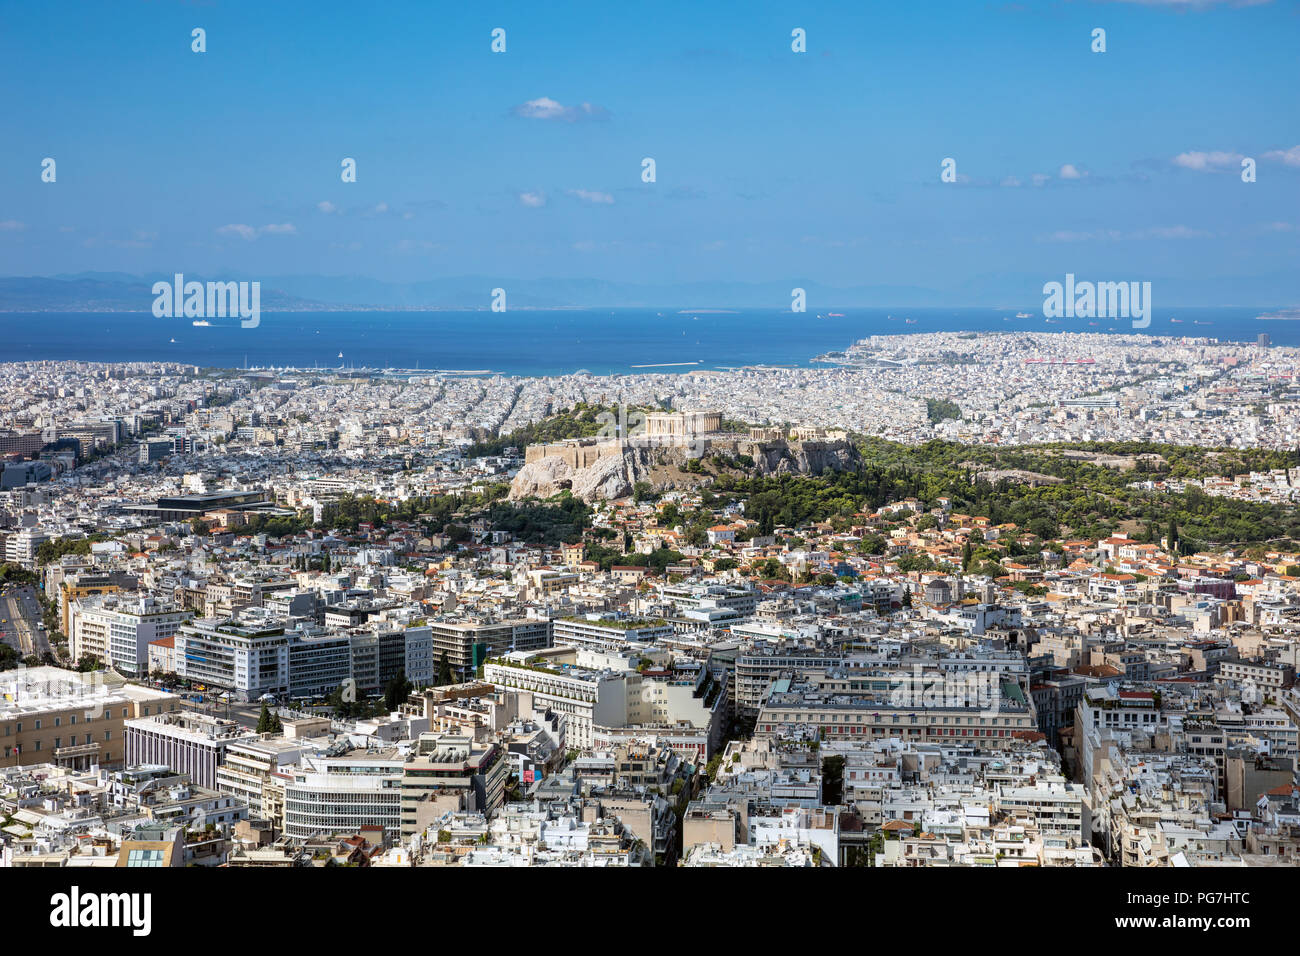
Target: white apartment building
column 254, row 770
column 1056, row 808
column 246, row 659
column 585, row 696
column 1106, row 716
column 21, row 547
column 466, row 644
column 607, row 634
column 343, row 792
column 1266, row 675
column 383, row 653
column 692, row 597
column 318, row 663
column 600, row 693
column 118, row 631
column 420, row 664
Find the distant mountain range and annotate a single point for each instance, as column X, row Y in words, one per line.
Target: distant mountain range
column 119, row 292
column 112, row 292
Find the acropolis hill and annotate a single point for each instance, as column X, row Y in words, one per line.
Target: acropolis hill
column 658, row 450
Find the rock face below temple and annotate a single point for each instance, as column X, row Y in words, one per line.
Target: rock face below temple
column 609, row 472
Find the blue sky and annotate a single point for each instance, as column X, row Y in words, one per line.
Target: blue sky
column 527, row 164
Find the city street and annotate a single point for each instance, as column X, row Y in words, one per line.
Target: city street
column 20, row 618
column 245, row 714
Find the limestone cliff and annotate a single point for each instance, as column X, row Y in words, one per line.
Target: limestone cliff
column 612, row 474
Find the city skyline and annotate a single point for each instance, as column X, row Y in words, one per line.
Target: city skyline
column 592, row 436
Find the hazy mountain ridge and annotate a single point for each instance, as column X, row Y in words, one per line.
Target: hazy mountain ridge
column 93, row 293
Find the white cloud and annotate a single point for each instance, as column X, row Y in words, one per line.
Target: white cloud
column 365, row 212
column 1208, row 162
column 1070, row 171
column 249, row 233
column 532, row 200
column 1065, row 235
column 1291, row 157
column 591, row 196
column 12, row 225
column 1213, row 161
column 541, row 108
column 545, row 108
column 1115, row 235
column 1040, row 179
column 1172, row 232
column 238, row 229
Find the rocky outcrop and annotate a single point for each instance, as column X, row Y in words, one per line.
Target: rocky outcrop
column 613, row 476
column 610, row 478
column 802, row 458
column 605, row 479
column 542, row 478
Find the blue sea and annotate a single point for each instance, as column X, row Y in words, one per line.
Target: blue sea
column 527, row 342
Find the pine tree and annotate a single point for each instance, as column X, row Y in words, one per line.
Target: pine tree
column 398, row 689
column 264, row 720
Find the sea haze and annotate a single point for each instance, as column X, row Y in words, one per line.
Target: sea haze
column 542, row 342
